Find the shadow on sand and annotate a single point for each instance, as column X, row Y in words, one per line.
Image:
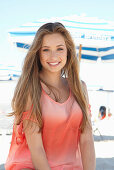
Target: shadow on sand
column 105, row 163
column 103, row 138
column 2, row 167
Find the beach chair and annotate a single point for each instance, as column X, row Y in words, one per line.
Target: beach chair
column 95, row 129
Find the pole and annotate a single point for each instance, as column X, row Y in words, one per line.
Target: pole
column 80, row 48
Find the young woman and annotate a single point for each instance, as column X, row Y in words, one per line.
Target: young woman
column 52, row 128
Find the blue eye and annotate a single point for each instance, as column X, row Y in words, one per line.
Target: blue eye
column 60, row 49
column 45, row 49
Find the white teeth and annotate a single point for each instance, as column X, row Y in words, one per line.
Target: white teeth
column 53, row 63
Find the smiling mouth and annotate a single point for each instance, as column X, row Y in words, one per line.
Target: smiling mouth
column 53, row 64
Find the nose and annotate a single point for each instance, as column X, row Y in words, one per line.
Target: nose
column 53, row 54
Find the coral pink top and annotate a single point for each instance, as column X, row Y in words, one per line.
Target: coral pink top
column 60, row 136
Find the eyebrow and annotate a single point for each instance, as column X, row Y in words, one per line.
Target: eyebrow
column 48, row 46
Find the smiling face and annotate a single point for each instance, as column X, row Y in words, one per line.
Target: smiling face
column 53, row 53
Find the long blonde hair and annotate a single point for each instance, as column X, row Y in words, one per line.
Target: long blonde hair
column 29, row 81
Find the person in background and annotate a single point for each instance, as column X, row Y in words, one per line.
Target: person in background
column 52, row 127
column 102, row 112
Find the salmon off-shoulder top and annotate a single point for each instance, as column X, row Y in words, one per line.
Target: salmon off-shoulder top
column 60, row 136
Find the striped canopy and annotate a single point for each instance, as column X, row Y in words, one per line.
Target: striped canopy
column 8, row 72
column 96, row 36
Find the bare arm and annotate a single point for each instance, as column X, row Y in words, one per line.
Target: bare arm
column 87, row 145
column 35, row 143
column 87, row 150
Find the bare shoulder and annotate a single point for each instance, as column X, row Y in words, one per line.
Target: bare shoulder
column 83, row 83
column 84, row 86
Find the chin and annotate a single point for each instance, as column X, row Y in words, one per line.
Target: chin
column 54, row 71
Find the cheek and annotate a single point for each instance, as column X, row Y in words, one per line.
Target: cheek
column 43, row 58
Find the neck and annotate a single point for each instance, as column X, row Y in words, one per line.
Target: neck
column 53, row 79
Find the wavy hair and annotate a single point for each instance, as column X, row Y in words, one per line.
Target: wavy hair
column 29, row 81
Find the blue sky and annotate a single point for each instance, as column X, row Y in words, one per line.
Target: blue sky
column 14, row 13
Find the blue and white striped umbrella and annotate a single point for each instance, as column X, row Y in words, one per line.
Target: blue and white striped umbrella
column 8, row 72
column 95, row 35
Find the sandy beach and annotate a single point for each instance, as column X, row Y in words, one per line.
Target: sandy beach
column 104, row 143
